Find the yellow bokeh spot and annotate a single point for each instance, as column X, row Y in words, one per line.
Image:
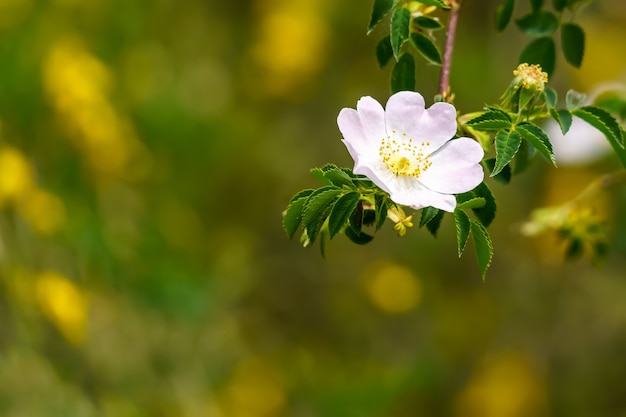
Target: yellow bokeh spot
column 43, row 211
column 393, row 289
column 255, row 390
column 508, row 385
column 64, row 304
column 15, row 174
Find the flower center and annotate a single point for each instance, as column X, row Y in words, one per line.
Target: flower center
column 404, row 157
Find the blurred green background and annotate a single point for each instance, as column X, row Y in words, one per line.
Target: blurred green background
column 147, row 150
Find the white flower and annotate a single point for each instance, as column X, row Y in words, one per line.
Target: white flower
column 408, row 152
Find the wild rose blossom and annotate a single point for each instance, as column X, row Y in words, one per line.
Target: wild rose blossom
column 408, row 150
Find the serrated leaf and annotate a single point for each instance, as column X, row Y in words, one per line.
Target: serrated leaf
column 472, row 203
column 293, row 215
column 605, row 123
column 433, row 225
column 300, row 194
column 428, row 213
column 462, row 223
column 338, row 178
column 563, row 118
column 482, row 245
column 503, row 14
column 574, row 99
column 426, row 47
column 504, row 177
column 380, row 9
column 559, row 5
column 540, row 51
column 318, row 173
column 487, row 213
column 427, row 23
column 573, row 43
column 317, row 208
column 382, row 205
column 438, row 3
column 400, row 27
column 538, row 138
column 506, row 144
column 358, row 237
column 384, row 52
column 491, row 120
column 341, row 212
column 551, row 97
column 403, row 74
column 538, row 24
column 523, row 158
column 536, row 4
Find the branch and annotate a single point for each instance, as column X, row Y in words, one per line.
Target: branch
column 444, row 83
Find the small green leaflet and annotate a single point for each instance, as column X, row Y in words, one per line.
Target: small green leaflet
column 485, row 214
column 462, row 223
column 400, row 27
column 433, row 225
column 317, row 208
column 426, row 47
column 428, row 213
column 382, row 205
column 384, row 53
column 538, row 138
column 482, row 245
column 504, row 177
column 539, row 23
column 503, row 14
column 507, row 144
column 341, row 212
column 573, row 43
column 605, row 123
column 563, row 118
column 540, row 51
column 403, row 74
column 551, row 97
column 293, row 214
column 476, row 202
column 358, row 237
column 379, row 11
column 427, row 23
column 493, row 119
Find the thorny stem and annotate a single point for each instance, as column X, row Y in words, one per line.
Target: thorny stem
column 444, row 83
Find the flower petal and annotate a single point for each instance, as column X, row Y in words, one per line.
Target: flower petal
column 372, row 117
column 374, row 172
column 455, row 167
column 363, row 128
column 417, row 196
column 437, row 125
column 403, row 112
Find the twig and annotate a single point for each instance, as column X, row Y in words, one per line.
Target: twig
column 444, row 83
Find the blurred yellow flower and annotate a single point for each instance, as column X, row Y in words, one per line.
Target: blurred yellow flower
column 393, row 289
column 42, row 210
column 64, row 304
column 15, row 174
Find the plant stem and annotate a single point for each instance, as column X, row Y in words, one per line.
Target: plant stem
column 444, row 83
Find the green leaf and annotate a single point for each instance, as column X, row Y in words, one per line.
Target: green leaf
column 482, row 245
column 293, row 215
column 379, row 11
column 540, row 51
column 538, row 138
column 491, row 120
column 317, row 208
column 523, row 158
column 382, row 205
column 426, row 47
column 506, row 144
column 574, row 100
column 318, row 173
column 462, row 223
column 403, row 74
column 503, row 14
column 559, row 5
column 605, row 123
column 338, row 178
column 360, row 238
column 433, row 225
column 428, row 213
column 300, row 194
column 400, row 26
column 539, row 23
column 573, row 43
column 551, row 97
column 341, row 212
column 475, row 202
column 438, row 3
column 504, row 177
column 384, row 52
column 563, row 118
column 536, row 4
column 427, row 23
column 487, row 213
